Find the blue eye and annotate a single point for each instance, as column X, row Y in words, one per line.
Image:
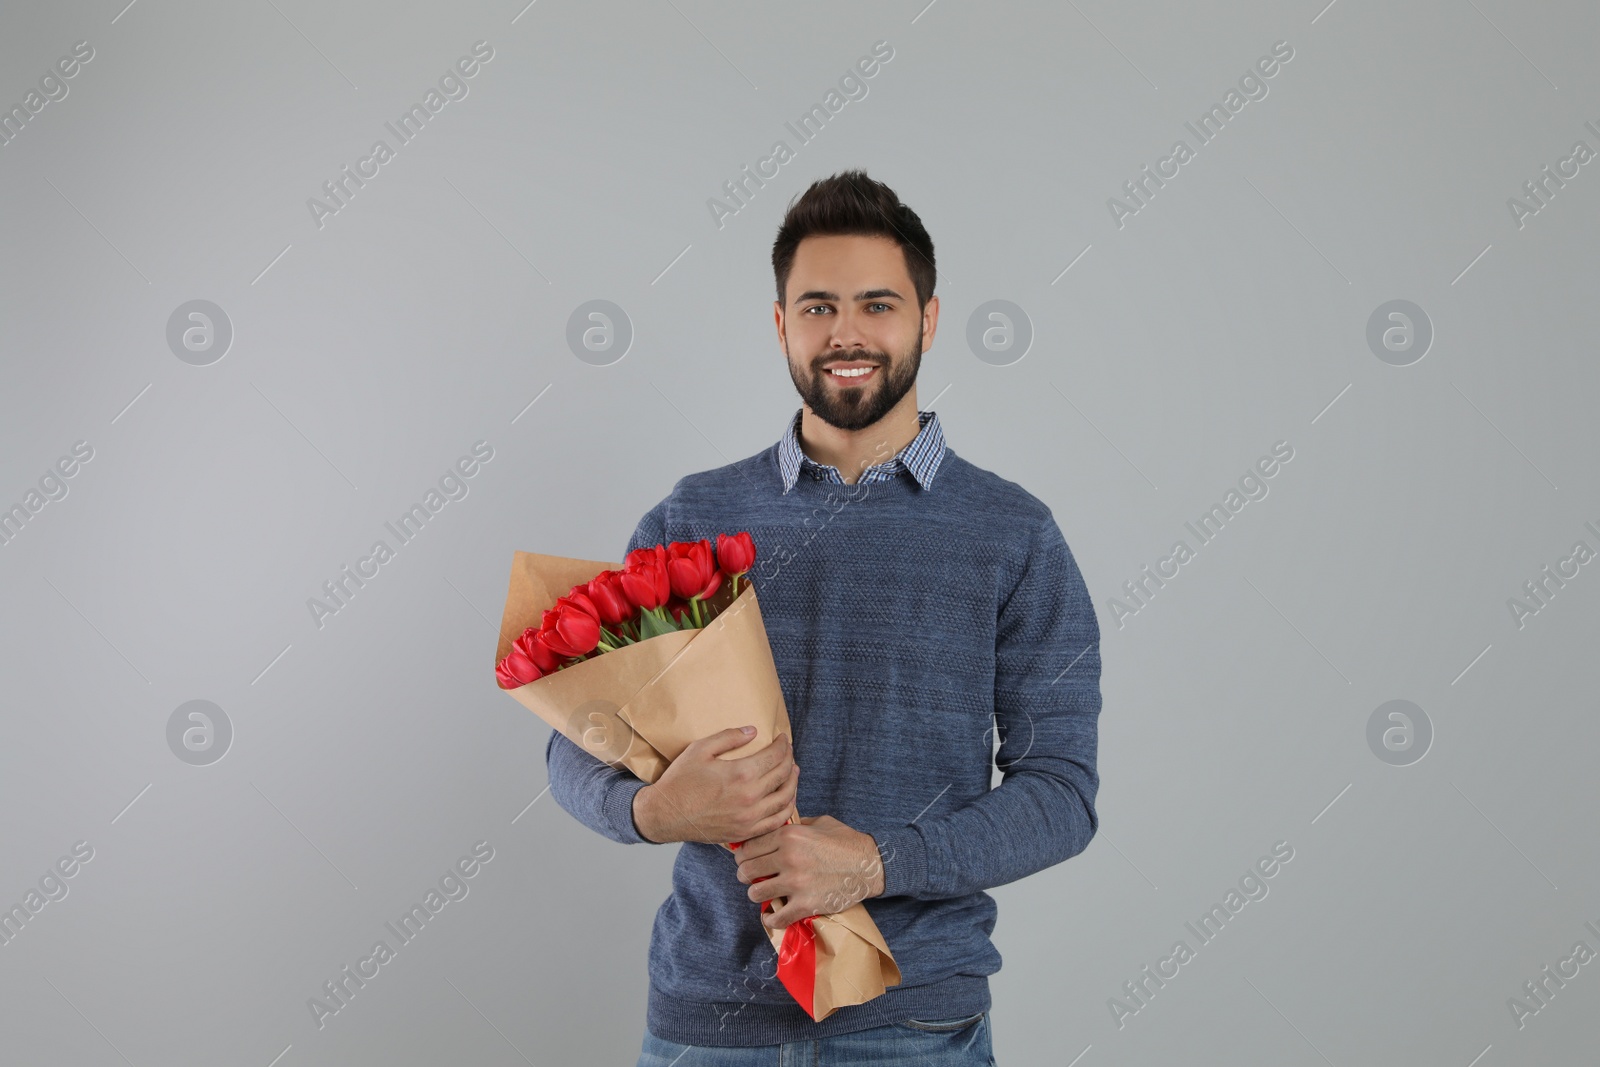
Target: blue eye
column 825, row 307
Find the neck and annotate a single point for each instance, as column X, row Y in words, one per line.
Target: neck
column 853, row 451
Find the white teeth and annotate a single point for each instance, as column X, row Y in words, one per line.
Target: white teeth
column 852, row 372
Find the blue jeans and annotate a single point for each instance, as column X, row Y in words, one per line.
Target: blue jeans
column 941, row 1043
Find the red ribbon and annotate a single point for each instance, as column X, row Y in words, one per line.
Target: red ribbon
column 797, row 956
column 797, row 961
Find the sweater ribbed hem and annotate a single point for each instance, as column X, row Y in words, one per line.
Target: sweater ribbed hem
column 904, row 854
column 617, row 810
column 739, row 1024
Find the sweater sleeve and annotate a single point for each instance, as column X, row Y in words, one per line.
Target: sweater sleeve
column 1047, row 709
column 590, row 790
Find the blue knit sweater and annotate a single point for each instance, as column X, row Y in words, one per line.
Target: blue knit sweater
column 913, row 630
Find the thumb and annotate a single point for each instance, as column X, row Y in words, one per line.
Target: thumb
column 726, row 740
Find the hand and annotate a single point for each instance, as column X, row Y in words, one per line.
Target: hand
column 821, row 865
column 704, row 797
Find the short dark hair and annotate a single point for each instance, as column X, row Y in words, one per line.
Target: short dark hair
column 850, row 203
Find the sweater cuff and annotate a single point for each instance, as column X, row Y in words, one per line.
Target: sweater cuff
column 617, row 811
column 904, row 854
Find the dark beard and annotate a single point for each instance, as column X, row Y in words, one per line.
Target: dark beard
column 857, row 408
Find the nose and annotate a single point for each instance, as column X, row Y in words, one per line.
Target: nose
column 847, row 331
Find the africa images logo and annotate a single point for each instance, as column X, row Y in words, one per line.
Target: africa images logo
column 342, row 188
column 1252, row 86
column 1253, row 486
column 453, row 886
column 453, row 485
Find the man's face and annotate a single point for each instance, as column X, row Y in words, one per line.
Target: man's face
column 852, row 305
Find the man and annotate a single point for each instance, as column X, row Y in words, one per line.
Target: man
column 919, row 609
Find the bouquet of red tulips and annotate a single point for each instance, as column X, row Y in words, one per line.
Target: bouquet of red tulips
column 658, row 590
column 586, row 646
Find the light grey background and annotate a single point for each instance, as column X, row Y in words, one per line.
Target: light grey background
column 368, row 354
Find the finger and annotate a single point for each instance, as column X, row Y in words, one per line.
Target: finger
column 753, row 869
column 765, row 889
column 770, row 811
column 725, row 741
column 761, row 835
column 774, row 777
column 755, row 846
column 774, row 755
column 774, row 811
column 780, row 918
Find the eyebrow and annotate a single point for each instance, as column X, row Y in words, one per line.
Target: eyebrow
column 865, row 294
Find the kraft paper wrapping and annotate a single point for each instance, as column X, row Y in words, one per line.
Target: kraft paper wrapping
column 640, row 706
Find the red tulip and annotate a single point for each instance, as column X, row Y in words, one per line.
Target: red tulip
column 516, row 670
column 578, row 597
column 736, row 553
column 645, row 582
column 712, row 585
column 605, row 590
column 651, row 553
column 575, row 630
column 532, row 645
column 692, row 568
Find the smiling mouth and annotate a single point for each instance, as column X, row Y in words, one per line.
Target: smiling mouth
column 852, row 375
